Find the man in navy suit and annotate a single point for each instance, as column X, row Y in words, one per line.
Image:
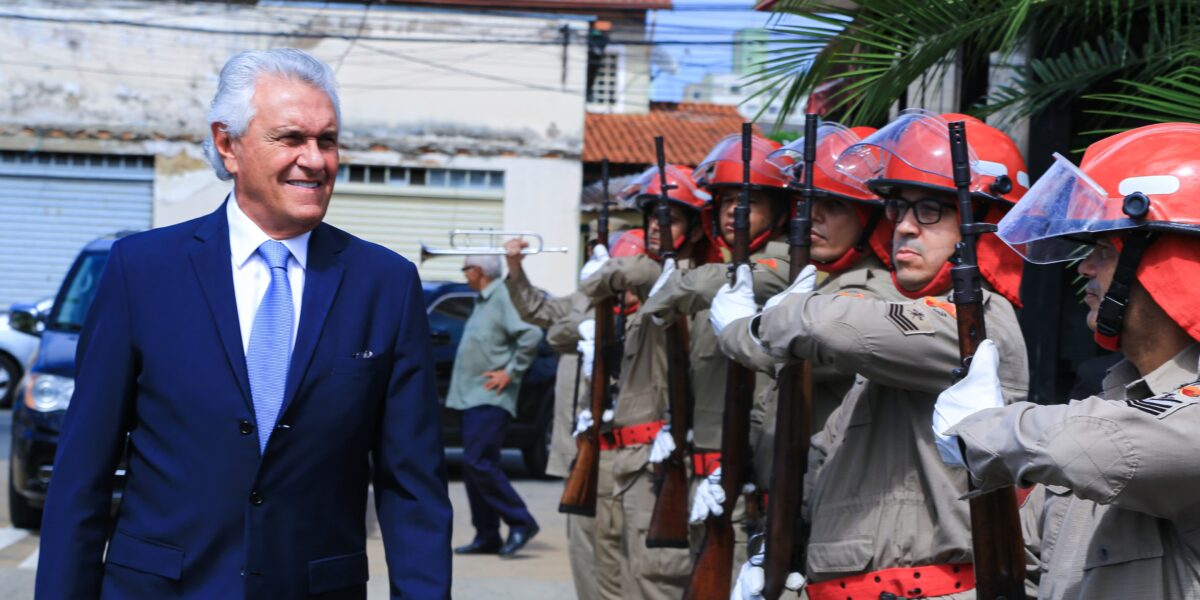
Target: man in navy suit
column 266, row 368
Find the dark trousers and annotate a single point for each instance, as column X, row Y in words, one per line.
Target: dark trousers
column 491, row 496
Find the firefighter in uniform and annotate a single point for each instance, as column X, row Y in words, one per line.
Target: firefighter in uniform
column 1121, row 517
column 690, row 292
column 850, row 250
column 886, row 513
column 641, row 401
column 595, row 564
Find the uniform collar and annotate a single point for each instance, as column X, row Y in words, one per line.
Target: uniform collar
column 245, row 236
column 1122, row 380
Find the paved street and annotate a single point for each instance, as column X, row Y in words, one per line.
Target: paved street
column 541, row 571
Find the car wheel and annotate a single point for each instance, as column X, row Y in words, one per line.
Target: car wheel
column 10, row 376
column 20, row 512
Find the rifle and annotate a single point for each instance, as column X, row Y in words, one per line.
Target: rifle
column 579, row 492
column 712, row 575
column 669, row 521
column 995, row 524
column 786, row 546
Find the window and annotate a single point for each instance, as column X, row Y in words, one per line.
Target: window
column 605, row 89
column 420, row 177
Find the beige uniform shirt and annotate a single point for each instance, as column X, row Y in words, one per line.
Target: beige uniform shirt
column 868, row 278
column 690, row 292
column 642, row 388
column 1122, row 481
column 877, row 493
column 560, row 317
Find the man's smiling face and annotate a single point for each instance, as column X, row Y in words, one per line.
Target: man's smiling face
column 285, row 164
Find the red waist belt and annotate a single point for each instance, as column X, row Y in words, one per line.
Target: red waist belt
column 903, row 582
column 704, row 463
column 630, row 435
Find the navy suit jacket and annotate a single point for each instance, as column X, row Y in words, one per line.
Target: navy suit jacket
column 204, row 515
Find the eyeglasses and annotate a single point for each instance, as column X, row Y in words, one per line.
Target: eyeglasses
column 469, row 267
column 926, row 210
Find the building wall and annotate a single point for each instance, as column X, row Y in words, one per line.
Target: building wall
column 412, row 93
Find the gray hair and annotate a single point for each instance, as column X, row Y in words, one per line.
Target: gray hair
column 488, row 263
column 233, row 104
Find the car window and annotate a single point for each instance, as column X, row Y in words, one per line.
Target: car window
column 455, row 307
column 78, row 292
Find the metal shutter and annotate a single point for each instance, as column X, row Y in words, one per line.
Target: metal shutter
column 51, row 204
column 400, row 223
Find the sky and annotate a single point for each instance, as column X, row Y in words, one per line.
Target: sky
column 699, row 20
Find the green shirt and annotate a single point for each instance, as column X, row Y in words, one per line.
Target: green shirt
column 494, row 338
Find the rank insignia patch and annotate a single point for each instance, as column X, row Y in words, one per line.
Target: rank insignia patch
column 909, row 321
column 1164, row 404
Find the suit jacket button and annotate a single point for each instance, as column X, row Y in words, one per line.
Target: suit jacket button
column 256, row 498
column 245, row 428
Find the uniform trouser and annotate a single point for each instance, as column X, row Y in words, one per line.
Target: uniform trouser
column 491, row 496
column 654, row 573
column 581, row 549
column 611, row 568
column 740, row 538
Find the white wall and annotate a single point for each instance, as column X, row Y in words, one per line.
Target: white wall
column 73, row 80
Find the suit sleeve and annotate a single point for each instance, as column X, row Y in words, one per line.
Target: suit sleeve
column 76, row 517
column 410, row 472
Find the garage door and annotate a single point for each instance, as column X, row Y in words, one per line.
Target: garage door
column 51, row 204
column 401, row 222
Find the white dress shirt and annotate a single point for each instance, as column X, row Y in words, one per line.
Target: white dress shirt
column 252, row 276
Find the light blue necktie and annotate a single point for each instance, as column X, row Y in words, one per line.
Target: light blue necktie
column 270, row 349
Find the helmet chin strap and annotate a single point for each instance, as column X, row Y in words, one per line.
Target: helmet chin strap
column 1111, row 316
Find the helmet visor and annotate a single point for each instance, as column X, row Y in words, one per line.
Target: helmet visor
column 832, row 140
column 729, row 150
column 915, row 146
column 649, row 184
column 1059, row 217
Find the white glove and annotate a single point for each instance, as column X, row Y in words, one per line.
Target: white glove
column 668, row 268
column 805, row 282
column 583, row 422
column 979, row 390
column 593, row 264
column 606, row 416
column 733, row 302
column 751, row 580
column 709, row 498
column 586, row 346
column 664, row 445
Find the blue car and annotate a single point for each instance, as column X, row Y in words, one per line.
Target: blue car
column 46, row 389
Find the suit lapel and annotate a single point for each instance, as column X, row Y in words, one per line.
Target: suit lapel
column 214, row 268
column 322, row 278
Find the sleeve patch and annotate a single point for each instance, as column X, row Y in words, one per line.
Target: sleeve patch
column 909, row 319
column 942, row 305
column 1164, row 404
column 769, row 263
column 855, row 295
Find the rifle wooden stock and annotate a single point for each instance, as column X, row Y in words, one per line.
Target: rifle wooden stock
column 669, row 521
column 579, row 491
column 998, row 548
column 712, row 575
column 793, row 413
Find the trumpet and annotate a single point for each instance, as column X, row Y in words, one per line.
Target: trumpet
column 461, row 243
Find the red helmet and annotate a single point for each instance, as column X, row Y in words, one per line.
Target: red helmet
column 914, row 151
column 1144, row 180
column 628, row 243
column 647, row 189
column 832, row 140
column 723, row 165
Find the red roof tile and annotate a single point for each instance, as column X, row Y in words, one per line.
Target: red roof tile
column 554, row 4
column 690, row 129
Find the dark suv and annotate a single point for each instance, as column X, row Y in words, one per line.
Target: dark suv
column 46, row 389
